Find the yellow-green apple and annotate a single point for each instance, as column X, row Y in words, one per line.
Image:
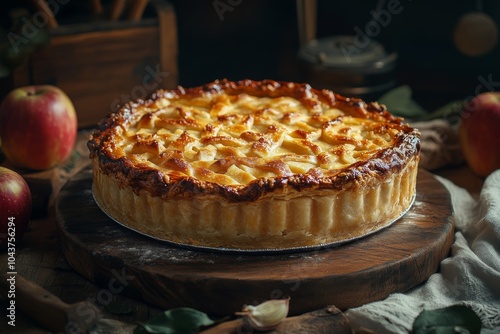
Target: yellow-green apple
column 15, row 207
column 479, row 133
column 38, row 126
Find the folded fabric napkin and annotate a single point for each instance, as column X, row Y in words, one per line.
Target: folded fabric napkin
column 439, row 144
column 470, row 276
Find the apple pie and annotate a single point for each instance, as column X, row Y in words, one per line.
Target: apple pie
column 254, row 165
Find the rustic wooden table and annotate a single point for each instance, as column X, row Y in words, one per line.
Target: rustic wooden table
column 39, row 258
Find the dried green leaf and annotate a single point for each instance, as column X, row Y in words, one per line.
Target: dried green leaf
column 20, row 41
column 449, row 320
column 182, row 320
column 449, row 111
column 399, row 101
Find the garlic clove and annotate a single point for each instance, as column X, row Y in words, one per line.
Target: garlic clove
column 266, row 316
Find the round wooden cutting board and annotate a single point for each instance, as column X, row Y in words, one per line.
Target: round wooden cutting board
column 122, row 261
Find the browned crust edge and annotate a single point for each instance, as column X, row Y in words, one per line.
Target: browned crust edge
column 381, row 166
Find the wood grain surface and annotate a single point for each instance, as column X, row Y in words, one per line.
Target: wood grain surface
column 122, row 261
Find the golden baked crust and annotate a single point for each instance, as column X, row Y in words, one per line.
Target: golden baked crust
column 253, row 165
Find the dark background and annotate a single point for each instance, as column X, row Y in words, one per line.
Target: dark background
column 258, row 39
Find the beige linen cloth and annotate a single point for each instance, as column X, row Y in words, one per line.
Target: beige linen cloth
column 470, row 276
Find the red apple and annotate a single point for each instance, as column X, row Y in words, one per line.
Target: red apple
column 479, row 133
column 15, row 207
column 38, row 126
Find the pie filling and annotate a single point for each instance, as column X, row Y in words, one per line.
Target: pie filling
column 254, row 165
